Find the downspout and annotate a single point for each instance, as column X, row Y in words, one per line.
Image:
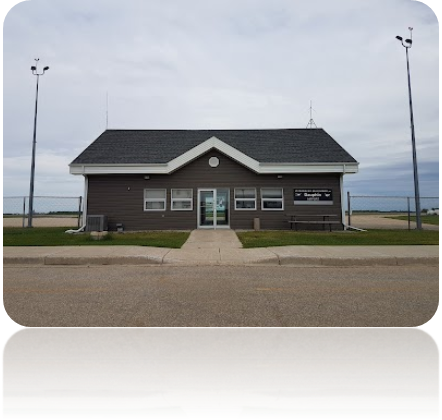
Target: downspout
column 86, row 185
column 342, row 200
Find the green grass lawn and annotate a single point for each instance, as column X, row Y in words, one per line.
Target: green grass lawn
column 372, row 237
column 431, row 220
column 58, row 237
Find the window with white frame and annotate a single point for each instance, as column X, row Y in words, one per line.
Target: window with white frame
column 154, row 200
column 182, row 199
column 245, row 198
column 272, row 199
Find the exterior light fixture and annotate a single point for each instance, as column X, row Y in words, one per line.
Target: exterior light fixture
column 34, row 142
column 407, row 45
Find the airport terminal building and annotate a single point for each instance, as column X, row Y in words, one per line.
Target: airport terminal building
column 212, row 179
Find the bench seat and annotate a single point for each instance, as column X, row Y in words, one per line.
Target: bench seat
column 325, row 220
column 320, row 222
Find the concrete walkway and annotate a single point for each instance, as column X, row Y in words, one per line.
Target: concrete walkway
column 222, row 247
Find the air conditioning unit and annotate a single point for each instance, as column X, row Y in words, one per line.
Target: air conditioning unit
column 96, row 223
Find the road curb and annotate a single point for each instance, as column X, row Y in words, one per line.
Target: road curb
column 283, row 261
column 356, row 261
column 126, row 260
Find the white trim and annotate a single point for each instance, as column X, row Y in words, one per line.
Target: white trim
column 307, row 168
column 181, row 199
column 202, row 148
column 341, row 180
column 213, row 143
column 272, row 199
column 244, row 199
column 154, row 200
column 86, row 187
column 215, row 224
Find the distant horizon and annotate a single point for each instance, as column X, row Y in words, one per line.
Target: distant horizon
column 379, row 203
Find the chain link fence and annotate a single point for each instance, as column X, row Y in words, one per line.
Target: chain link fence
column 364, row 211
column 47, row 211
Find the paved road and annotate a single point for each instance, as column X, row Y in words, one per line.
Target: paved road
column 220, row 296
column 344, row 330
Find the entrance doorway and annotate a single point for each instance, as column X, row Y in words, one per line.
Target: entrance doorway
column 213, row 208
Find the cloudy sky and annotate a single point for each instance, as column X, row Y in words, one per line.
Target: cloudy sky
column 221, row 64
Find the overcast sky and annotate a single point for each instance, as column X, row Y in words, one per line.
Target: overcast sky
column 221, row 64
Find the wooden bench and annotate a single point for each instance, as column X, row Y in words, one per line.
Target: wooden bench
column 313, row 219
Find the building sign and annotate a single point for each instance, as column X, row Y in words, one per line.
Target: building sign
column 313, row 197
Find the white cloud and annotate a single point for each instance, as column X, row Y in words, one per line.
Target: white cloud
column 218, row 64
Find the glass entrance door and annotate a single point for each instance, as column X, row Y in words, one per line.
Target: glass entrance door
column 206, row 199
column 213, row 208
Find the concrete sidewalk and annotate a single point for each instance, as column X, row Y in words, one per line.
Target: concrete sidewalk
column 222, row 247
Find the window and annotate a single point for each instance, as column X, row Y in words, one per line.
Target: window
column 154, row 200
column 272, row 199
column 182, row 200
column 245, row 199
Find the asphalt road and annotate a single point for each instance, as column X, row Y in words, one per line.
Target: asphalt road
column 138, row 329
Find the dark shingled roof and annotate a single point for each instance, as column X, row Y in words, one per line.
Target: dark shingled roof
column 312, row 145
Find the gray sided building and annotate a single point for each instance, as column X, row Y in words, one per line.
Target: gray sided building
column 189, row 179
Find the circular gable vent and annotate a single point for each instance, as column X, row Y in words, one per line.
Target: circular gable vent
column 213, row 162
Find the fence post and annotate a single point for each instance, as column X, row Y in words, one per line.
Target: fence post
column 409, row 213
column 24, row 212
column 79, row 211
column 348, row 208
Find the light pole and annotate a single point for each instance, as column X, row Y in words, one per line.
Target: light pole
column 407, row 44
column 34, row 143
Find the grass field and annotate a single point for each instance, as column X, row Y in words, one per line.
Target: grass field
column 372, row 237
column 56, row 236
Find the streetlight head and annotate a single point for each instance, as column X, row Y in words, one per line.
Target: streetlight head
column 46, row 68
column 409, row 41
column 399, row 38
column 33, row 68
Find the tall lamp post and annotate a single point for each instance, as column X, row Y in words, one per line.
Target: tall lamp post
column 34, row 143
column 407, row 44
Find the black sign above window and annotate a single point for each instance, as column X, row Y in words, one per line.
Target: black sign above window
column 313, row 197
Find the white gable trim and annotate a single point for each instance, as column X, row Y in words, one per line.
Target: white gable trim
column 213, row 143
column 202, row 148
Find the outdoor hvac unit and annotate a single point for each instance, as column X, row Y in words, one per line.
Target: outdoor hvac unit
column 96, row 223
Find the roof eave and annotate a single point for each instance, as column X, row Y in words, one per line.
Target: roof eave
column 165, row 169
column 214, row 143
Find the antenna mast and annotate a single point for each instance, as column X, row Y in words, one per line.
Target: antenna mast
column 107, row 110
column 311, row 123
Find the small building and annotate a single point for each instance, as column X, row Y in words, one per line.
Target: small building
column 191, row 179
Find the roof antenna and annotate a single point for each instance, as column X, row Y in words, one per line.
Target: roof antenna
column 311, row 123
column 107, row 110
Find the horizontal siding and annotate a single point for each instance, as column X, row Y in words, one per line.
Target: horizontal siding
column 121, row 197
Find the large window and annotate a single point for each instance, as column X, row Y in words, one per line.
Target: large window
column 272, row 199
column 182, row 199
column 154, row 200
column 245, row 199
